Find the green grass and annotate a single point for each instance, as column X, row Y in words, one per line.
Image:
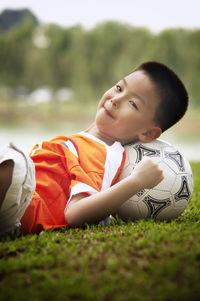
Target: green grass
column 144, row 260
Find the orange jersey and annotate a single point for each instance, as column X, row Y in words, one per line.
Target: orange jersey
column 66, row 166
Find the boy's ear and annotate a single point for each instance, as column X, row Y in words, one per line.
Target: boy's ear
column 150, row 135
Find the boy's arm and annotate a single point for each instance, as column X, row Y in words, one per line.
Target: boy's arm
column 96, row 207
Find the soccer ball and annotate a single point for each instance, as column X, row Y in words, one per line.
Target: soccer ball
column 171, row 196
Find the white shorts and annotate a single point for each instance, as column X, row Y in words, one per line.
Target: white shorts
column 20, row 192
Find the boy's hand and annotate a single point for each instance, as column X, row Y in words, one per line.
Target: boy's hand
column 147, row 174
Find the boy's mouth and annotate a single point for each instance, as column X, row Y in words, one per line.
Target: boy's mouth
column 108, row 112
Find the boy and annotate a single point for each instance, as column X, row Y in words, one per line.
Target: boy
column 77, row 177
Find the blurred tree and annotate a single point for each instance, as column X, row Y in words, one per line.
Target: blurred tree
column 192, row 65
column 105, row 44
column 13, row 47
column 10, row 18
column 91, row 61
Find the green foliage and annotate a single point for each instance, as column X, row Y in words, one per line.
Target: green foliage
column 141, row 260
column 90, row 61
column 11, row 17
column 13, row 47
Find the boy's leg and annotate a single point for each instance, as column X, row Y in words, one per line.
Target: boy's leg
column 17, row 184
column 6, row 170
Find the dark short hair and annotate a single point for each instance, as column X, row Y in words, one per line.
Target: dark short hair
column 171, row 91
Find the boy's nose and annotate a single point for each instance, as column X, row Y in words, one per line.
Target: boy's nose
column 115, row 101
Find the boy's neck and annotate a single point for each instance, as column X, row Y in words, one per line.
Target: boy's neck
column 93, row 130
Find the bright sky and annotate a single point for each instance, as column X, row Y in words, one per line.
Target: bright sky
column 154, row 14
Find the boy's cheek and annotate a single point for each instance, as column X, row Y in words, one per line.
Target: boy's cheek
column 108, row 94
column 102, row 101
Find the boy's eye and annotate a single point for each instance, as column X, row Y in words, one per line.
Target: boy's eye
column 133, row 104
column 119, row 88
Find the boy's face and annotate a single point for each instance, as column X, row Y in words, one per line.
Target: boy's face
column 126, row 111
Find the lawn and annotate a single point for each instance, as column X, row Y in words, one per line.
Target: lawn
column 141, row 260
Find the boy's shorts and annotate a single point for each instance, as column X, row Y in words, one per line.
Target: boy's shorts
column 20, row 192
